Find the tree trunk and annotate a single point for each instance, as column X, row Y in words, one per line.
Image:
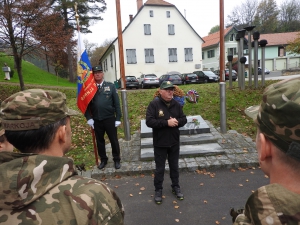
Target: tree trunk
column 70, row 62
column 18, row 62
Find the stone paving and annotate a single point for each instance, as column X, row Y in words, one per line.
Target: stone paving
column 240, row 151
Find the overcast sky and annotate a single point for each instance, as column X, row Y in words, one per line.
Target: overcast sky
column 201, row 14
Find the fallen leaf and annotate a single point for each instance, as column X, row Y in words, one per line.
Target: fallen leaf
column 252, row 191
column 139, row 167
column 241, row 185
column 163, row 196
column 142, row 188
column 152, row 175
column 253, row 168
column 130, row 195
column 116, row 186
column 223, row 141
column 176, row 206
column 142, row 175
column 174, row 202
column 232, row 170
column 177, row 220
column 266, row 176
column 137, row 184
column 252, row 172
column 223, row 218
column 217, row 222
column 205, row 201
column 201, row 184
column 247, row 180
column 140, row 193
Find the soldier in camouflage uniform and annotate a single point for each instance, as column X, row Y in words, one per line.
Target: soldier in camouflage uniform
column 278, row 146
column 40, row 185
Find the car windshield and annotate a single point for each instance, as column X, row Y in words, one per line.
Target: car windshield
column 208, row 73
column 130, row 77
column 192, row 75
column 151, row 76
column 175, row 77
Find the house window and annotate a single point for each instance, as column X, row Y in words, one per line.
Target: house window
column 232, row 37
column 202, row 55
column 149, row 55
column 131, row 56
column 111, row 60
column 280, row 51
column 151, row 13
column 210, row 53
column 168, row 14
column 171, row 29
column 105, row 62
column 172, row 54
column 147, row 29
column 188, row 54
column 231, row 51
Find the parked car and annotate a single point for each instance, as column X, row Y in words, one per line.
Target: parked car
column 206, row 76
column 131, row 82
column 189, row 78
column 148, row 80
column 234, row 74
column 260, row 71
column 174, row 78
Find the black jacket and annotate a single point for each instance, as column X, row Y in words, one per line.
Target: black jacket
column 105, row 103
column 157, row 117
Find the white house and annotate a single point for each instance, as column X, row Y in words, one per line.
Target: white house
column 157, row 40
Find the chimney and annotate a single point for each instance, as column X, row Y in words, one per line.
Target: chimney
column 139, row 4
column 130, row 17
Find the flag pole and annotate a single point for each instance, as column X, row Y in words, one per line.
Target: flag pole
column 92, row 130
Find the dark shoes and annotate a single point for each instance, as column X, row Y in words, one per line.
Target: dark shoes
column 117, row 165
column 176, row 191
column 102, row 165
column 158, row 196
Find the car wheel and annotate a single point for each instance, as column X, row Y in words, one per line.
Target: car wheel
column 142, row 85
column 205, row 81
column 184, row 82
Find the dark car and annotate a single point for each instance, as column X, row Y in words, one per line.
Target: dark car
column 174, row 78
column 206, row 76
column 260, row 71
column 190, row 78
column 148, row 80
column 131, row 82
column 234, row 74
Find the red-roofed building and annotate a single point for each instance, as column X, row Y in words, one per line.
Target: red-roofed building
column 211, row 48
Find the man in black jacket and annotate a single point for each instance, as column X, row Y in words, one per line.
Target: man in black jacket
column 165, row 116
column 104, row 115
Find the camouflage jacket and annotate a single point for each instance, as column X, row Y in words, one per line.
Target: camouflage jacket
column 271, row 204
column 40, row 189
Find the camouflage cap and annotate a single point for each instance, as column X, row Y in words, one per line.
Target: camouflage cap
column 278, row 116
column 1, row 129
column 166, row 84
column 33, row 108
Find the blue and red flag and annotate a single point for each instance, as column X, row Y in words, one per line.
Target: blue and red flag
column 86, row 87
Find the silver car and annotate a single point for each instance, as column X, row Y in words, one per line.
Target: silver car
column 148, row 80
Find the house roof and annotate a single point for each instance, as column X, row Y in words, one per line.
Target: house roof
column 279, row 38
column 214, row 39
column 157, row 2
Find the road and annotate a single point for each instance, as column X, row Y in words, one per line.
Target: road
column 208, row 198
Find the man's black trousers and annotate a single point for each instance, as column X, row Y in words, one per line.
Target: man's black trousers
column 107, row 126
column 160, row 156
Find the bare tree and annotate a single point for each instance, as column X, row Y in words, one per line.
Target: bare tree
column 17, row 20
column 90, row 47
column 289, row 16
column 243, row 15
column 214, row 29
column 99, row 52
column 266, row 17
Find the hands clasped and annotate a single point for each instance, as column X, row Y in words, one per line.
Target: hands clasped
column 117, row 123
column 172, row 122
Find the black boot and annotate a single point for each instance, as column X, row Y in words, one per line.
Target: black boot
column 117, row 165
column 176, row 191
column 158, row 196
column 102, row 165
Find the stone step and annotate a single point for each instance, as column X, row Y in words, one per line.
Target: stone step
column 208, row 149
column 192, row 139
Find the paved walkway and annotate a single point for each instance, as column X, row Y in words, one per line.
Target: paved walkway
column 240, row 151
